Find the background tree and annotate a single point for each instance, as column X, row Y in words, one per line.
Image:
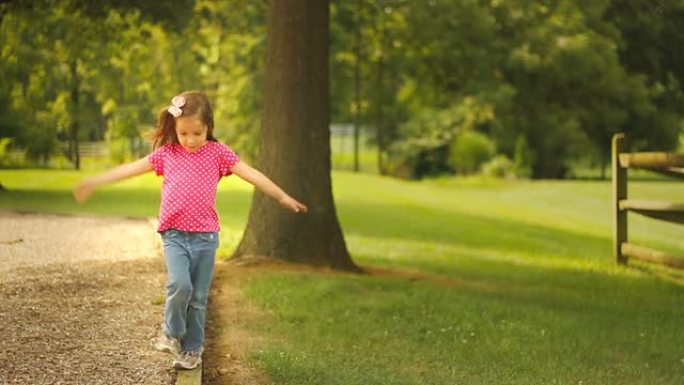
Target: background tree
column 295, row 142
column 564, row 75
column 649, row 42
column 348, row 62
column 230, row 49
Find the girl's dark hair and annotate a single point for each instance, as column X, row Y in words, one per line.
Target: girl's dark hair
column 197, row 104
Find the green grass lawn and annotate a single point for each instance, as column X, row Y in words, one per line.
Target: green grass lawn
column 529, row 292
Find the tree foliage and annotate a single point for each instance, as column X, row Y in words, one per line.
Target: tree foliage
column 562, row 74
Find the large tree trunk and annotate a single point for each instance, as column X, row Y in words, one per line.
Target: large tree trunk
column 295, row 142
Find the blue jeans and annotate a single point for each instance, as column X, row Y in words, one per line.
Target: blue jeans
column 190, row 267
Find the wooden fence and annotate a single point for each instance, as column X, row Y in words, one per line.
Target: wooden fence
column 662, row 163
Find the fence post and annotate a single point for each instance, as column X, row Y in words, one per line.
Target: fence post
column 619, row 175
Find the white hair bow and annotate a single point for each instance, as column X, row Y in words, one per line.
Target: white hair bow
column 177, row 102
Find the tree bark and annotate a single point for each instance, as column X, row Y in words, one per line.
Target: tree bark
column 295, row 142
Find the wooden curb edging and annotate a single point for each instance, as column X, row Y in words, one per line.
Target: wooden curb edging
column 190, row 377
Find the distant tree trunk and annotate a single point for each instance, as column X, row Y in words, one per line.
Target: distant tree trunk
column 73, row 143
column 357, row 84
column 381, row 133
column 380, row 119
column 295, row 142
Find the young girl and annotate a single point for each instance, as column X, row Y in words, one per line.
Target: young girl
column 192, row 162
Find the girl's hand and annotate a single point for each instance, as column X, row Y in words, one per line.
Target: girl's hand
column 291, row 204
column 83, row 191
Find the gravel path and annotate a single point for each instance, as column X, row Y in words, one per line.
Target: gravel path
column 80, row 301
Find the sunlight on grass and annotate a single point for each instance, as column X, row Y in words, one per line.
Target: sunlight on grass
column 359, row 330
column 501, row 282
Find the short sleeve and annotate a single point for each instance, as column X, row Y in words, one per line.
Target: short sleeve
column 227, row 159
column 156, row 159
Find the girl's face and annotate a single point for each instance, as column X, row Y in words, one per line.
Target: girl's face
column 191, row 132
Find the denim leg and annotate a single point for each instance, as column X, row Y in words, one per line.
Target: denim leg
column 203, row 252
column 179, row 285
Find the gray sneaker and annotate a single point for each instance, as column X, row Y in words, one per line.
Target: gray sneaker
column 167, row 344
column 187, row 360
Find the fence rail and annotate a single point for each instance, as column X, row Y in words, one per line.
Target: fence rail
column 660, row 162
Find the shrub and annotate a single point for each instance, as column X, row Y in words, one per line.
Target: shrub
column 469, row 150
column 5, row 143
column 500, row 166
column 418, row 158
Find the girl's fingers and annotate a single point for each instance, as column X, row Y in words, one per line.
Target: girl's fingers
column 297, row 207
column 292, row 204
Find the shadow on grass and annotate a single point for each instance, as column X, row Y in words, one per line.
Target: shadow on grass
column 431, row 225
column 546, row 285
column 119, row 201
column 138, row 202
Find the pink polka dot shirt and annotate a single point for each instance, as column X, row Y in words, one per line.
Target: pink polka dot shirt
column 188, row 198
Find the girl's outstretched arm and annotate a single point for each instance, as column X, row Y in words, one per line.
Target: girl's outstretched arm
column 86, row 187
column 261, row 181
